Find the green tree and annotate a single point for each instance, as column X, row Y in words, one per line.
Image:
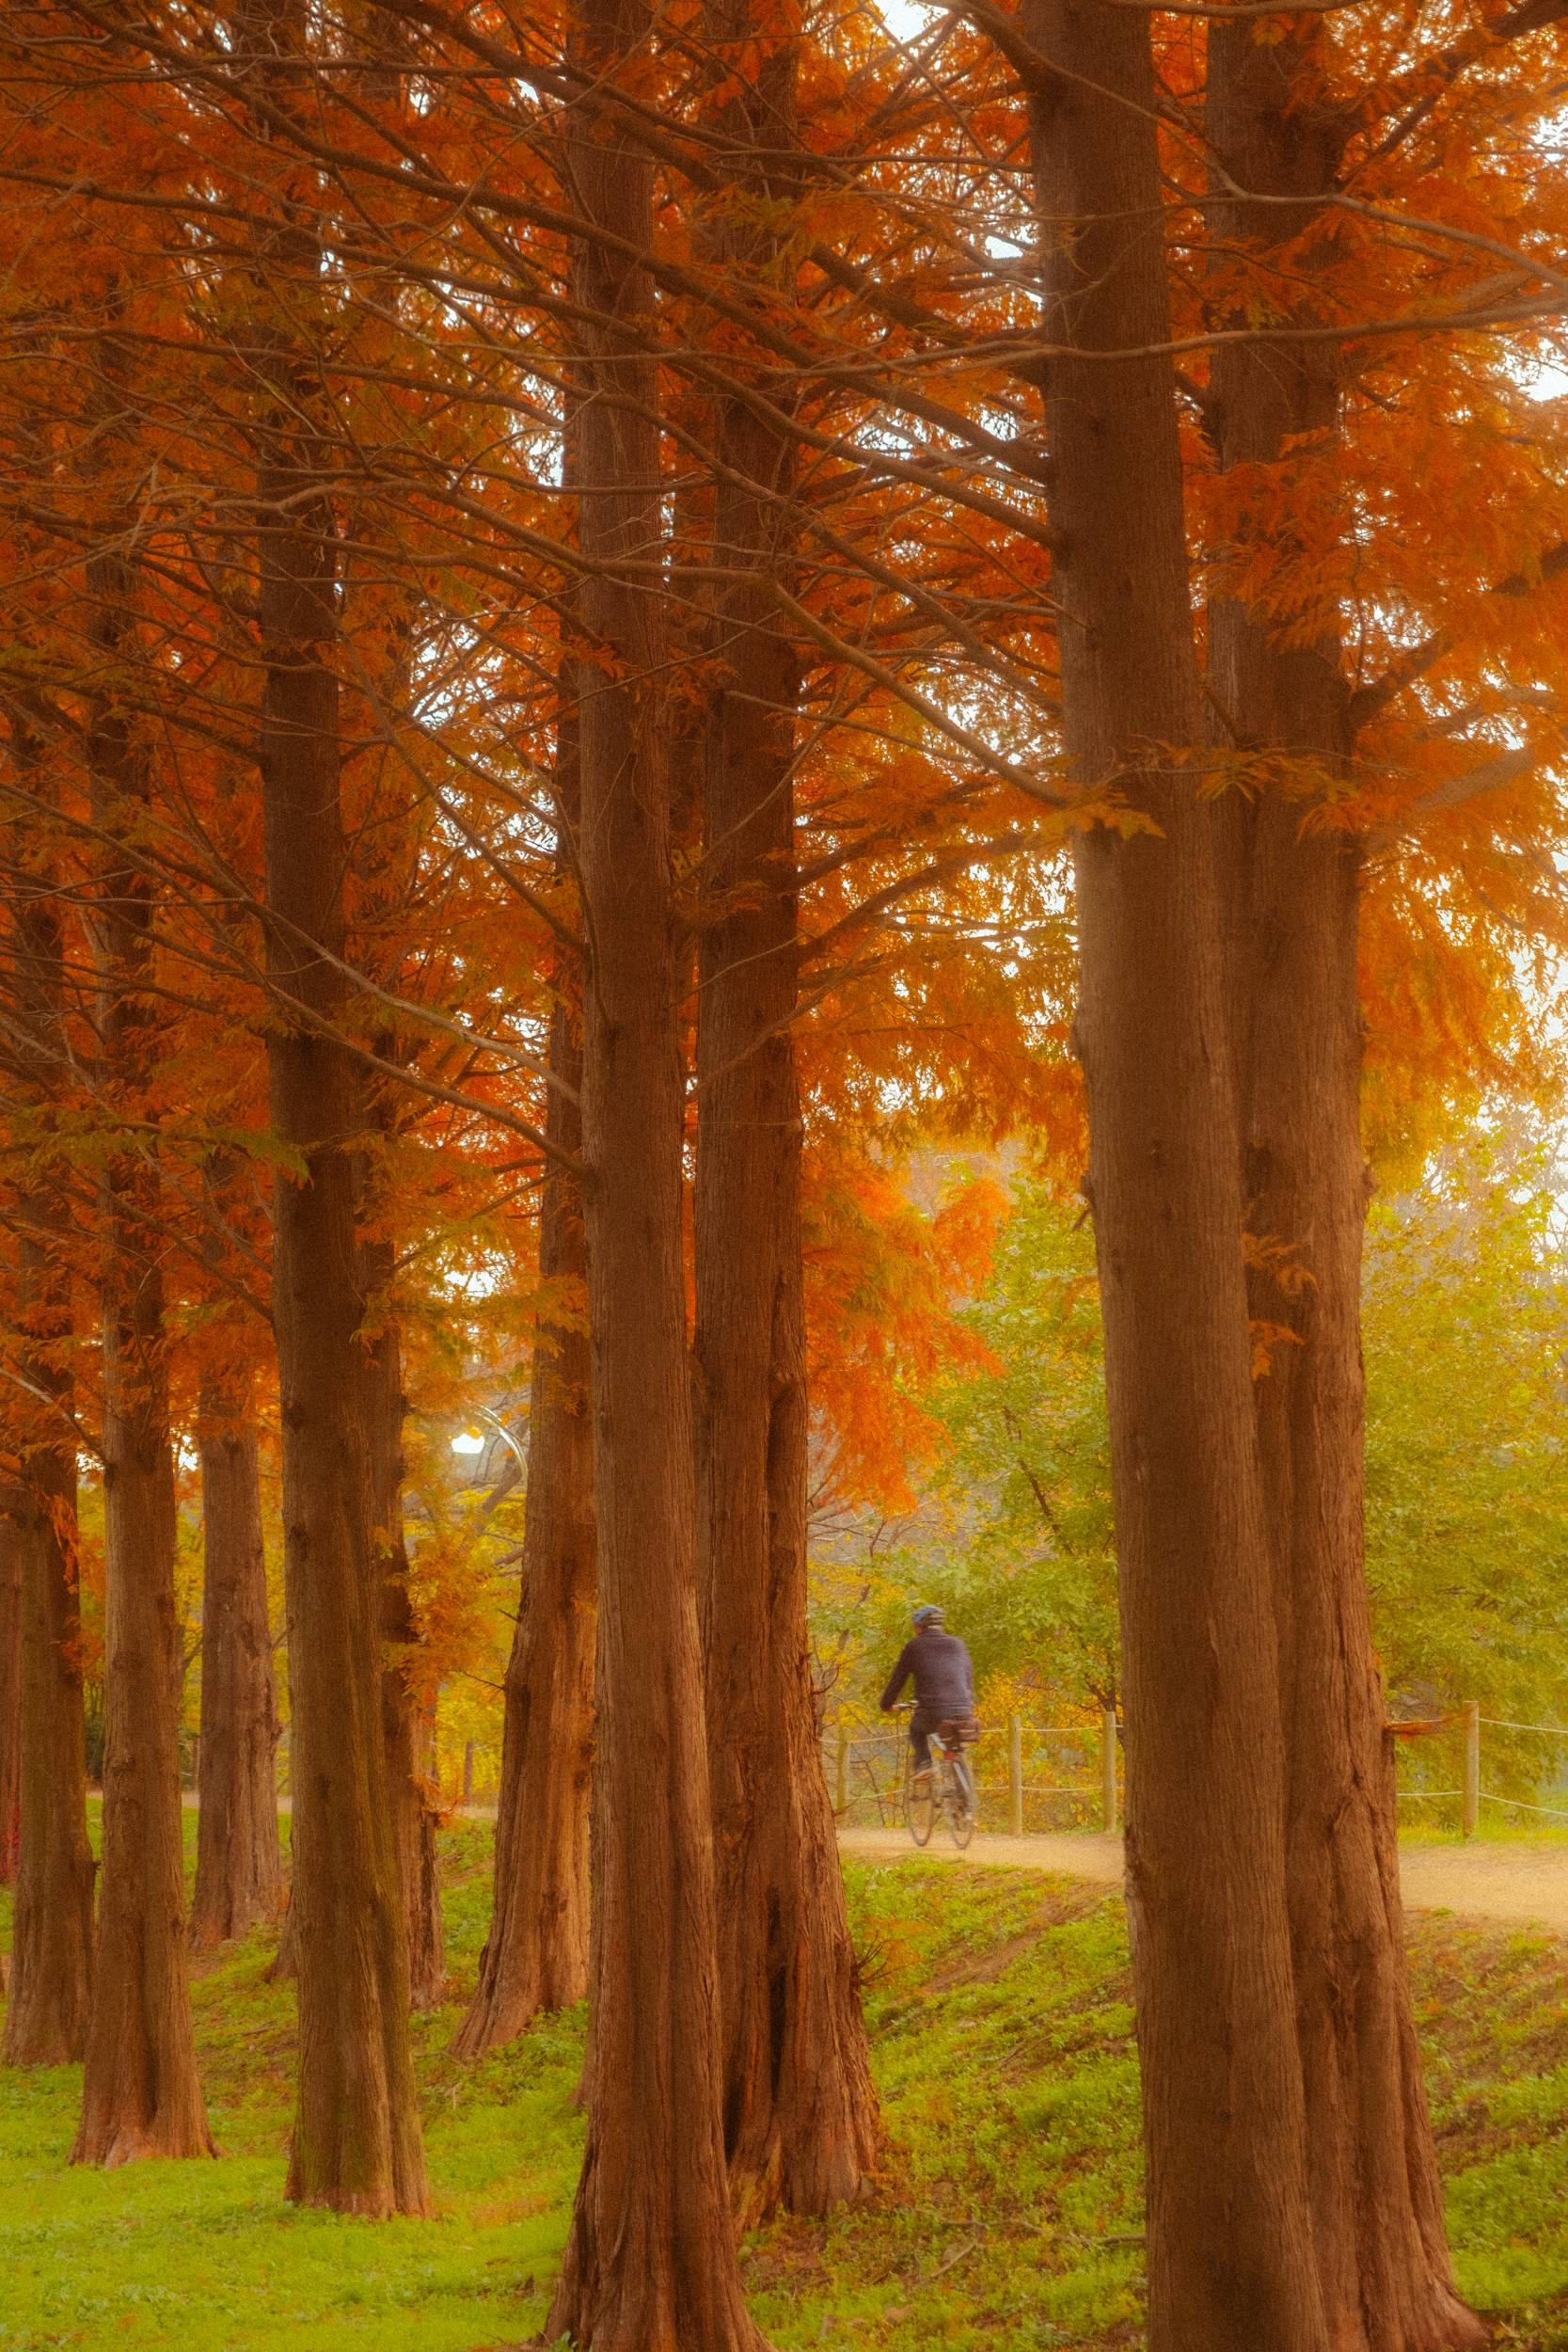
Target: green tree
column 1465, row 1309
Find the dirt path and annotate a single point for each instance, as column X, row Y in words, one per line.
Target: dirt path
column 1522, row 1882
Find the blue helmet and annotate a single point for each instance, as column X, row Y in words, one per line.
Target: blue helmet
column 925, row 1614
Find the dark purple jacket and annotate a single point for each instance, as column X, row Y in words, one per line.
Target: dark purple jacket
column 944, row 1678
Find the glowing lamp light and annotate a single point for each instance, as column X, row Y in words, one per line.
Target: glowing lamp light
column 467, row 1442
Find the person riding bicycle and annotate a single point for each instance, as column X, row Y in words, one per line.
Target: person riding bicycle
column 943, row 1682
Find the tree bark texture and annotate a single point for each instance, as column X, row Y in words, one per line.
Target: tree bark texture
column 239, row 1869
column 800, row 2113
column 650, row 2263
column 140, row 2093
column 284, row 1965
column 414, row 1815
column 386, row 859
column 1292, row 883
column 536, row 1954
column 1231, row 2261
column 357, row 2144
column 51, row 1929
column 11, row 1524
column 52, row 1936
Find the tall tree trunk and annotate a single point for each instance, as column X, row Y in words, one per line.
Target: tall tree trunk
column 536, row 1954
column 799, row 2114
column 52, row 1922
column 650, row 2261
column 13, row 1518
column 1230, row 2255
column 140, row 2094
column 386, row 863
column 357, row 2143
column 1294, row 904
column 239, row 1869
column 413, row 1816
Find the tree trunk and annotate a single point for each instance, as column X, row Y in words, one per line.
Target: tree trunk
column 799, row 2114
column 1293, row 890
column 414, row 1817
column 357, row 2143
column 1373, row 2172
column 140, row 2094
column 284, row 1965
column 386, row 873
column 650, row 2261
column 536, row 1954
column 1230, row 2255
column 239, row 1870
column 12, row 1511
column 52, row 1922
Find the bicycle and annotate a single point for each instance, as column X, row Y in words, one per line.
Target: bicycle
column 947, row 1788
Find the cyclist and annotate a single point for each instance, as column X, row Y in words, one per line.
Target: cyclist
column 943, row 1682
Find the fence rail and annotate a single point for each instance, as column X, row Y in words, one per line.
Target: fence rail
column 1024, row 1775
column 1021, row 1772
column 1472, row 1793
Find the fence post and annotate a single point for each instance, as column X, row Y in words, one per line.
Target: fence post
column 841, row 1804
column 1015, row 1775
column 1472, row 1767
column 1108, row 1771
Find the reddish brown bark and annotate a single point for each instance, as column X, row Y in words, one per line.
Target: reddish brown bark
column 51, row 1934
column 140, row 2094
column 53, row 1922
column 356, row 2135
column 239, row 1869
column 358, row 2145
column 386, row 862
column 799, row 2114
column 1294, row 900
column 415, row 1818
column 11, row 1511
column 1376, row 2197
column 1231, row 2261
column 536, row 1954
column 650, row 2261
column 284, row 1966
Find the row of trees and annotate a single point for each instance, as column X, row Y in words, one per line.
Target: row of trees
column 615, row 600
column 298, row 767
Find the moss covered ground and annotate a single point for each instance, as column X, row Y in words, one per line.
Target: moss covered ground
column 1009, row 2213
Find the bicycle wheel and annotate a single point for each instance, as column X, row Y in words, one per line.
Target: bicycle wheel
column 959, row 1802
column 920, row 1803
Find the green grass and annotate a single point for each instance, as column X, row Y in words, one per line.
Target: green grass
column 1009, row 2213
column 1497, row 1829
column 208, row 2255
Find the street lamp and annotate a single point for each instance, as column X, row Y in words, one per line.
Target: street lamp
column 469, row 1442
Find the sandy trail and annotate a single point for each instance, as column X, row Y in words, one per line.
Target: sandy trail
column 1520, row 1882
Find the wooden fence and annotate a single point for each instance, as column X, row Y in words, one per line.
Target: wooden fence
column 1038, row 1777
column 1031, row 1777
column 1467, row 1725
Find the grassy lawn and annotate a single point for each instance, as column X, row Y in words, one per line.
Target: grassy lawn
column 1008, row 2214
